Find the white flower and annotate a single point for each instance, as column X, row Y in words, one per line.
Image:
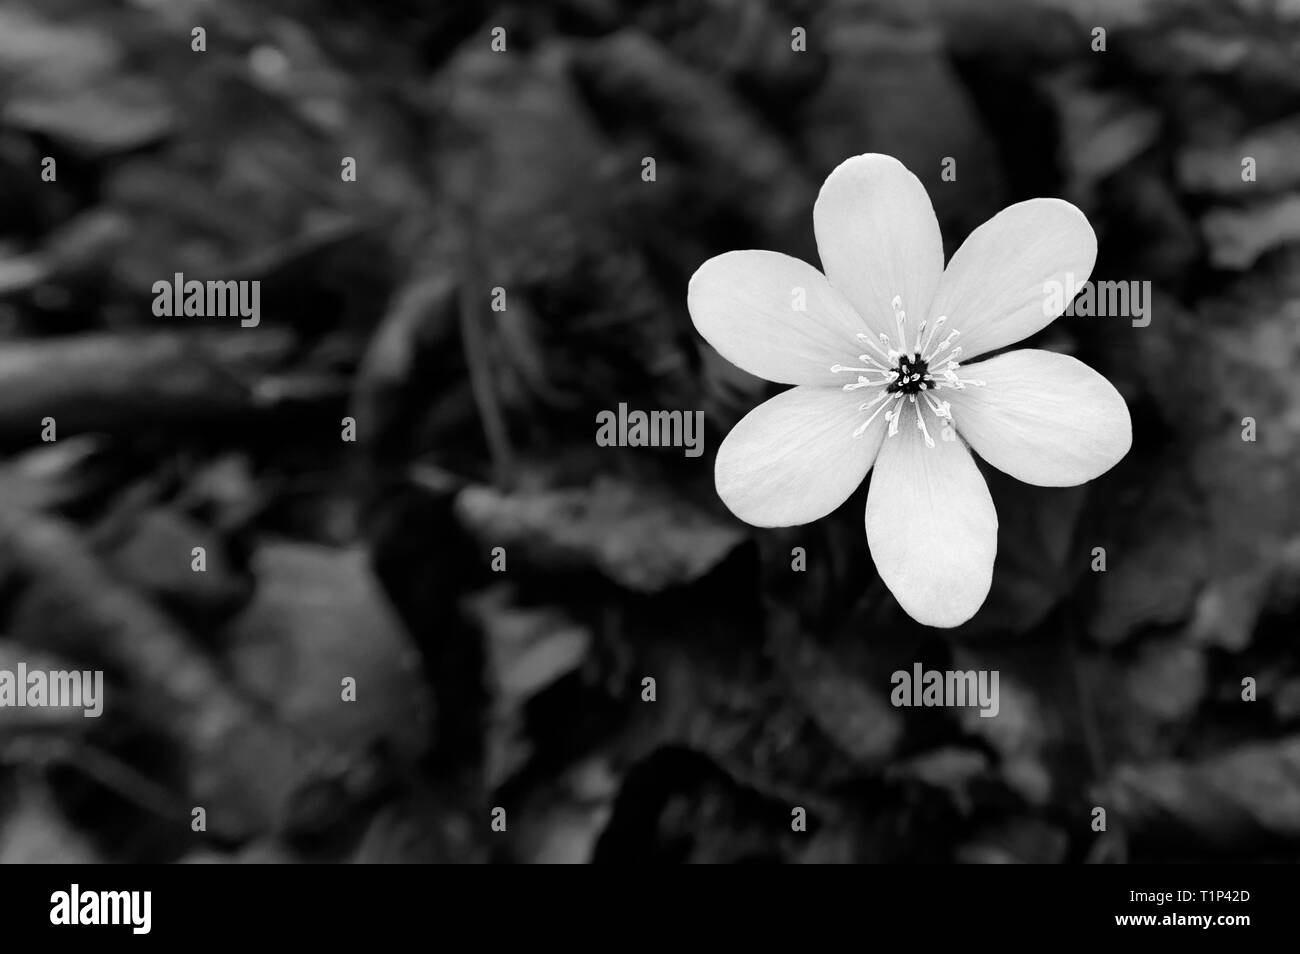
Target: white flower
column 877, row 354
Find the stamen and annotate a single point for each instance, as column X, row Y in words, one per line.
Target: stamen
column 862, row 428
column 837, row 368
column 920, row 422
column 864, row 383
column 942, row 345
column 938, row 323
column 941, row 409
column 950, row 380
column 900, row 322
column 867, row 339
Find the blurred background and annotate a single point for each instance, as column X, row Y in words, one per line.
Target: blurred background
column 522, row 687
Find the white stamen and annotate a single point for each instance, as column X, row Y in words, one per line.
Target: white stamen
column 938, row 323
column 867, row 423
column 863, row 382
column 941, row 409
column 900, row 317
column 867, row 339
column 920, row 422
column 942, row 346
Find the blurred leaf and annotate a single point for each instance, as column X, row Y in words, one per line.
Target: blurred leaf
column 153, row 553
column 527, row 651
column 1215, row 166
column 733, row 158
column 318, row 617
column 877, row 75
column 1236, row 801
column 19, row 273
column 563, row 821
column 951, row 769
column 845, row 703
column 1102, row 131
column 639, row 537
column 1016, row 841
column 1247, row 340
column 1145, row 706
column 421, row 827
column 523, row 158
column 1036, row 559
column 18, row 718
column 1028, row 730
column 52, row 476
column 1155, row 572
column 119, row 114
column 32, row 832
column 1238, row 236
column 47, row 55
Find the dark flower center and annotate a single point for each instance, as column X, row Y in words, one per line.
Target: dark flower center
column 913, row 376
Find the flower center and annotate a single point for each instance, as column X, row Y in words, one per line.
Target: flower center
column 912, row 375
column 904, row 374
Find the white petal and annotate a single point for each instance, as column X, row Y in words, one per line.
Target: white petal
column 878, row 238
column 746, row 304
column 794, row 459
column 999, row 289
column 1042, row 417
column 931, row 528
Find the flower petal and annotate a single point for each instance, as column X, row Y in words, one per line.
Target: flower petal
column 1042, row 417
column 997, row 289
column 878, row 238
column 931, row 528
column 774, row 316
column 794, row 459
